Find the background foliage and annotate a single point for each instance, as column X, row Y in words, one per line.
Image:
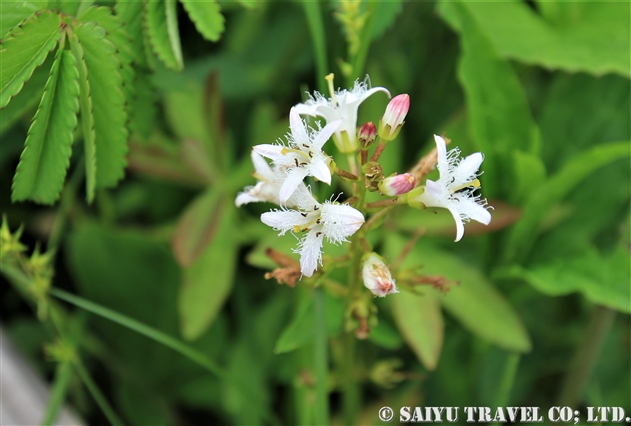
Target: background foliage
column 151, row 107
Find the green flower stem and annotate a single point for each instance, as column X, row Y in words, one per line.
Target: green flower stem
column 508, row 378
column 586, row 356
column 316, row 27
column 321, row 360
column 99, row 398
column 58, row 392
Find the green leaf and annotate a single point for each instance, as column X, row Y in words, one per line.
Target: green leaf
column 529, row 172
column 108, row 104
column 544, row 198
column 603, row 279
column 207, row 18
column 28, row 98
column 143, row 111
column 197, row 226
column 161, row 24
column 588, row 36
column 299, row 331
column 16, row 11
column 420, row 321
column 208, row 282
column 500, row 119
column 42, row 169
column 24, row 49
column 87, row 117
column 131, row 13
column 385, row 15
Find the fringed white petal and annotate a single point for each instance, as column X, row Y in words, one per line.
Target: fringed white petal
column 293, row 178
column 284, row 220
column 340, row 221
column 310, row 250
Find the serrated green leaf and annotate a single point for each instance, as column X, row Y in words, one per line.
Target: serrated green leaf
column 161, row 24
column 46, row 156
column 420, row 321
column 548, row 195
column 108, row 104
column 143, row 111
column 87, row 118
column 16, row 11
column 25, row 49
column 207, row 282
column 207, row 18
column 131, row 13
column 28, row 98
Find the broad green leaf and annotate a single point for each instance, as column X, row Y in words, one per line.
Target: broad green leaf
column 42, row 169
column 299, row 331
column 603, row 279
column 500, row 119
column 161, row 24
column 420, row 321
column 25, row 49
column 207, row 18
column 197, row 226
column 474, row 302
column 529, row 172
column 108, row 103
column 385, row 15
column 207, row 282
column 588, row 36
column 16, row 11
column 87, row 118
column 28, row 98
column 131, row 13
column 547, row 196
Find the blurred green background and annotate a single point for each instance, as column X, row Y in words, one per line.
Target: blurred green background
column 541, row 313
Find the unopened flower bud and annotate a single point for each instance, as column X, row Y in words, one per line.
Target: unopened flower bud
column 397, row 185
column 392, row 120
column 377, row 277
column 367, row 135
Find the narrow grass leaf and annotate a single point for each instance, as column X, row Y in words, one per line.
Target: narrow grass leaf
column 46, row 156
column 24, row 49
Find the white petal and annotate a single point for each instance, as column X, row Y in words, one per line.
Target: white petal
column 284, row 220
column 306, row 109
column 310, row 250
column 372, row 91
column 441, row 148
column 292, row 180
column 326, row 133
column 468, row 168
column 433, row 196
column 459, row 224
column 297, row 126
column 340, row 221
column 263, row 170
column 270, row 151
column 319, row 169
column 245, row 198
column 302, row 198
column 475, row 211
column 327, row 112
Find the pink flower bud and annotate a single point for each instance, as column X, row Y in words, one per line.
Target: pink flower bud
column 397, row 185
column 367, row 135
column 377, row 276
column 392, row 119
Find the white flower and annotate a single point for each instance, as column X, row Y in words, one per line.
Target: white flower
column 342, row 105
column 377, row 276
column 302, row 157
column 334, row 221
column 455, row 187
column 267, row 187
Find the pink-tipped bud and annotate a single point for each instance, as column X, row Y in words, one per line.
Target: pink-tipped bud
column 392, row 120
column 367, row 135
column 377, row 276
column 397, row 185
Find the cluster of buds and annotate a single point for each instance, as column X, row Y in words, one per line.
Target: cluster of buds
column 302, row 155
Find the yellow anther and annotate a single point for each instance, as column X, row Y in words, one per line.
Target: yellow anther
column 475, row 183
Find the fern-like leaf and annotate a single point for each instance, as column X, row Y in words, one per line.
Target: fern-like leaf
column 87, row 117
column 14, row 12
column 130, row 12
column 108, row 103
column 25, row 48
column 161, row 25
column 207, row 18
column 42, row 169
